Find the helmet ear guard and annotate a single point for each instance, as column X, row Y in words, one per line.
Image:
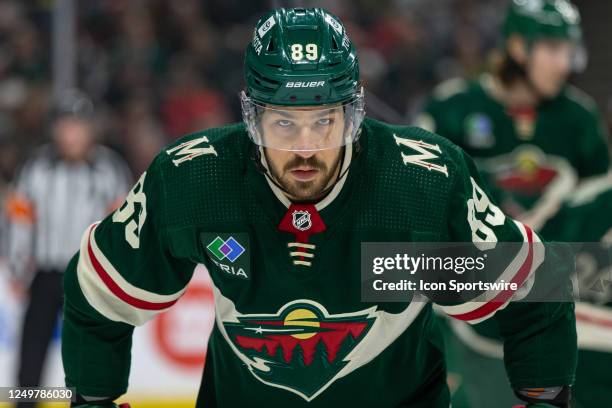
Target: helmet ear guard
column 352, row 122
column 249, row 117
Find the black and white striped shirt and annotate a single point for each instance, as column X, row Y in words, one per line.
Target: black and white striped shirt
column 65, row 198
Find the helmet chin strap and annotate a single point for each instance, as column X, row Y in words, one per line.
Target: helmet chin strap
column 261, row 165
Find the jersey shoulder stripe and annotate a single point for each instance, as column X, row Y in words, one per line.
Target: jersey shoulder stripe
column 450, row 88
column 580, row 99
column 109, row 293
column 522, row 267
column 590, row 190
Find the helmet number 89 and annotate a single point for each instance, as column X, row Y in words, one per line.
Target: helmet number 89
column 297, row 52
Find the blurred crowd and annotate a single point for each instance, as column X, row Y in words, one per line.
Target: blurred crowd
column 157, row 69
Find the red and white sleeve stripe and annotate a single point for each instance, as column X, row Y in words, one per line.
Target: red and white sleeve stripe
column 524, row 264
column 594, row 327
column 110, row 293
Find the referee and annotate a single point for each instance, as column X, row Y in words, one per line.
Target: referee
column 63, row 188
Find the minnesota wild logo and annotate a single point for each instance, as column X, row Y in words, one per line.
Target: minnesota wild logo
column 301, row 348
column 530, row 185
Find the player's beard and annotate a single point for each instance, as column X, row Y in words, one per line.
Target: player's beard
column 306, row 191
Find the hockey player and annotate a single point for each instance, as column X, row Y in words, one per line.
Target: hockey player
column 277, row 209
column 532, row 135
column 586, row 219
column 533, row 138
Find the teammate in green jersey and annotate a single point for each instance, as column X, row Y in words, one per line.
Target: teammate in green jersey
column 586, row 217
column 533, row 137
column 276, row 209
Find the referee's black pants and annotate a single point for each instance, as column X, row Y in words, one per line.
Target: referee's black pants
column 45, row 302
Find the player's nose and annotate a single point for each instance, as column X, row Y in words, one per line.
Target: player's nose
column 306, row 143
column 305, row 153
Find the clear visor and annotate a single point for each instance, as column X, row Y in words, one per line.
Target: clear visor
column 303, row 128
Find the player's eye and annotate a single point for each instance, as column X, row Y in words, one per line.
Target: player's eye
column 284, row 123
column 325, row 121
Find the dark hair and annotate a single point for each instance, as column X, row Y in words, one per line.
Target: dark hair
column 510, row 71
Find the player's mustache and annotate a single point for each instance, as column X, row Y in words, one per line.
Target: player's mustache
column 307, row 162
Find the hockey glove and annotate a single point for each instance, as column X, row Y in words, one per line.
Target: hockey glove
column 548, row 397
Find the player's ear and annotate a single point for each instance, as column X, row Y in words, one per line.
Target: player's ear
column 517, row 48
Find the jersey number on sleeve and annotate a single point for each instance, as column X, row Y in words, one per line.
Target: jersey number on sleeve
column 135, row 197
column 490, row 216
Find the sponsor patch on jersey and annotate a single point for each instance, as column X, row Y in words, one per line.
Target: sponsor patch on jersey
column 300, row 348
column 479, row 131
column 229, row 252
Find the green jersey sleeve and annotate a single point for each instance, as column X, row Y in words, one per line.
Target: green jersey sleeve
column 440, row 114
column 592, row 140
column 539, row 338
column 123, row 275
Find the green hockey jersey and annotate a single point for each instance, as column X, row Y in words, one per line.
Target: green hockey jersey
column 586, row 218
column 291, row 329
column 531, row 159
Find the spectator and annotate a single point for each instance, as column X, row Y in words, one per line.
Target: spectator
column 189, row 105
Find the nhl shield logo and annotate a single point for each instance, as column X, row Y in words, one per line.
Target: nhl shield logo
column 301, row 220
